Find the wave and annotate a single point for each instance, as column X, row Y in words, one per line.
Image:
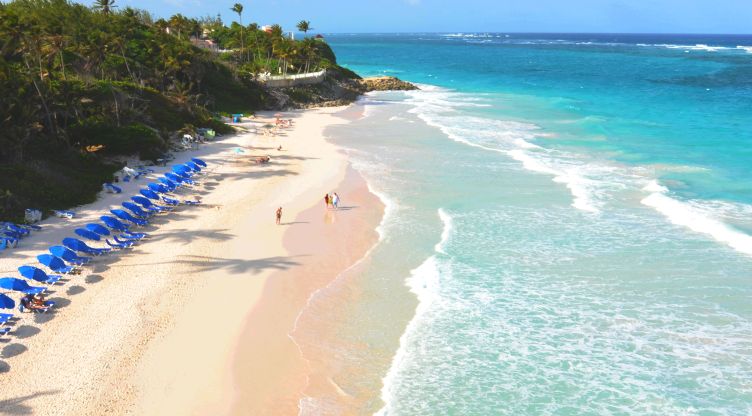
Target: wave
column 695, row 218
column 439, row 108
column 424, row 282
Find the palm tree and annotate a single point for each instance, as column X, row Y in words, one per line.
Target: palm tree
column 304, row 26
column 105, row 6
column 238, row 8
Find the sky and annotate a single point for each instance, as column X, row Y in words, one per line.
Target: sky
column 381, row 16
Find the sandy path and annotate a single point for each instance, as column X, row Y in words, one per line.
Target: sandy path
column 153, row 330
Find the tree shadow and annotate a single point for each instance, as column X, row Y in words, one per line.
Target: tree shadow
column 236, row 266
column 4, row 368
column 16, row 406
column 185, row 236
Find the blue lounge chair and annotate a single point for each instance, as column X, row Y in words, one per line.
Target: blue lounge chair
column 69, row 255
column 158, row 188
column 3, row 244
column 78, row 245
column 4, row 331
column 112, row 188
column 23, row 305
column 21, row 231
column 33, row 273
column 56, row 264
column 116, row 225
column 11, row 283
column 123, row 215
column 147, row 204
column 119, row 244
column 179, row 179
column 198, row 161
column 170, row 201
column 83, row 232
column 130, row 206
column 98, row 228
column 168, row 184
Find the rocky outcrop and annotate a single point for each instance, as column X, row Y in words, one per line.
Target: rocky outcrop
column 386, row 84
column 340, row 87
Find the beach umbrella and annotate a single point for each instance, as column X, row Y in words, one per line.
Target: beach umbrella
column 86, row 234
column 11, row 283
column 96, row 228
column 149, row 194
column 6, row 302
column 199, row 161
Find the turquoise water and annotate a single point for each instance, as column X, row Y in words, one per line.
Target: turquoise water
column 573, row 214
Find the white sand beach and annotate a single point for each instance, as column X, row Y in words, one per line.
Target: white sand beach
column 194, row 320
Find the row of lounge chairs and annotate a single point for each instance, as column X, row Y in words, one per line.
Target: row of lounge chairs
column 115, row 230
column 11, row 234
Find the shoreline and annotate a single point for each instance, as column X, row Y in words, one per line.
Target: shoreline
column 155, row 330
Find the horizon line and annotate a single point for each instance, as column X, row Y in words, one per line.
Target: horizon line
column 537, row 33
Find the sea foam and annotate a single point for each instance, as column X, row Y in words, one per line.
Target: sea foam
column 424, row 282
column 698, row 220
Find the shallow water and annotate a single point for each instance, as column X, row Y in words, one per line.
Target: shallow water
column 573, row 218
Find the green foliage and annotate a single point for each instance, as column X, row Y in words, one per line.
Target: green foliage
column 73, row 76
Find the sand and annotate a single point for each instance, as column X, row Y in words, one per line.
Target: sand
column 196, row 320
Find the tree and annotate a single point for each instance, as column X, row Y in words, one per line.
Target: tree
column 238, row 8
column 304, row 26
column 105, row 6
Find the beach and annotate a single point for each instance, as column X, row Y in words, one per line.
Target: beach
column 196, row 319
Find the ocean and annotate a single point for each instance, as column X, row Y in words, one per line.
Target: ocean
column 568, row 226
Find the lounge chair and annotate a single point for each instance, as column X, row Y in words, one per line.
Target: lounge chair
column 147, row 204
column 4, row 331
column 64, row 214
column 112, row 188
column 12, row 283
column 158, row 188
column 83, row 232
column 168, row 184
column 33, row 273
column 23, row 306
column 170, row 201
column 69, row 255
column 130, row 206
column 5, row 317
column 119, row 244
column 123, row 215
column 116, row 225
column 56, row 264
column 179, row 179
column 78, row 245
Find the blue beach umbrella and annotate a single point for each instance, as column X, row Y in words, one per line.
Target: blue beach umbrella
column 6, row 302
column 87, row 234
column 11, row 283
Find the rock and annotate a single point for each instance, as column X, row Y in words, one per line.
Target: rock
column 386, row 84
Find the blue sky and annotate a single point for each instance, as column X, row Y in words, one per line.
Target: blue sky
column 642, row 16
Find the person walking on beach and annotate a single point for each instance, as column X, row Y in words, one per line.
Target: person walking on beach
column 326, row 200
column 335, row 200
column 338, row 199
column 279, row 215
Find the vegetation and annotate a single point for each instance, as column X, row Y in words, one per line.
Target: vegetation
column 82, row 87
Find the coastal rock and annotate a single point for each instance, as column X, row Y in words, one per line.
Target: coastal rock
column 386, row 84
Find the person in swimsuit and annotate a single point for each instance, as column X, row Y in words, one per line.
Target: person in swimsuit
column 279, row 215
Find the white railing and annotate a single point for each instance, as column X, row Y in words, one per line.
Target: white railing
column 284, row 81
